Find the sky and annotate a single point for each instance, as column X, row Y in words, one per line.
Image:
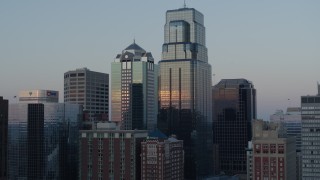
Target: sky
column 275, row 44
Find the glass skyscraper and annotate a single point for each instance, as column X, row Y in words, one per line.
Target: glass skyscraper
column 234, row 108
column 43, row 141
column 3, row 137
column 134, row 78
column 185, row 89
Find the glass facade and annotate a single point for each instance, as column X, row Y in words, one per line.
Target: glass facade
column 134, row 89
column 310, row 148
column 3, row 137
column 185, row 89
column 234, row 108
column 43, row 141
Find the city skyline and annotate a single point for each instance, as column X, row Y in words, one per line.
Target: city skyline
column 273, row 44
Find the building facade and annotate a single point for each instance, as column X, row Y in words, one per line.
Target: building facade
column 39, row 96
column 310, row 149
column 291, row 121
column 162, row 158
column 110, row 154
column 185, row 89
column 274, row 153
column 90, row 89
column 43, row 141
column 134, row 79
column 3, row 137
column 234, row 108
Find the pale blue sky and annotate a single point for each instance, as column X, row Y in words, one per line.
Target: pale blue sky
column 275, row 44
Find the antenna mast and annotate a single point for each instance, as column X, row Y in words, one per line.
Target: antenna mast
column 184, row 4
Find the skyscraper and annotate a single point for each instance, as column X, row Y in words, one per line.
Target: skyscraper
column 185, row 89
column 134, row 78
column 90, row 89
column 234, row 108
column 310, row 149
column 3, row 137
column 43, row 141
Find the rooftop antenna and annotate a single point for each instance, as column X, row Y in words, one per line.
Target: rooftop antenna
column 184, row 4
column 134, row 39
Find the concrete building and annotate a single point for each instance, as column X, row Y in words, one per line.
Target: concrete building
column 90, row 89
column 43, row 141
column 3, row 137
column 310, row 149
column 185, row 89
column 108, row 153
column 274, row 153
column 134, row 78
column 234, row 108
column 39, row 96
column 162, row 158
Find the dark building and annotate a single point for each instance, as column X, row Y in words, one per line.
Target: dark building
column 234, row 108
column 43, row 141
column 185, row 89
column 162, row 158
column 3, row 137
column 108, row 153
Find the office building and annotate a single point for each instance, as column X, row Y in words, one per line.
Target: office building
column 291, row 121
column 234, row 108
column 274, row 153
column 3, row 137
column 310, row 114
column 90, row 89
column 43, row 141
column 162, row 158
column 185, row 89
column 39, row 96
column 108, row 153
column 134, row 78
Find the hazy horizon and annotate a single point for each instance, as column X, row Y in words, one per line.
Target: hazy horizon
column 274, row 44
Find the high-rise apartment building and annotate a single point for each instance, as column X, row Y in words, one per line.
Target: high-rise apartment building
column 39, row 96
column 162, row 158
column 310, row 148
column 3, row 137
column 134, row 78
column 185, row 89
column 291, row 121
column 43, row 141
column 234, row 108
column 90, row 89
column 273, row 152
column 108, row 153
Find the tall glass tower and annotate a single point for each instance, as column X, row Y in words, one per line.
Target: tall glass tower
column 185, row 89
column 134, row 78
column 234, row 108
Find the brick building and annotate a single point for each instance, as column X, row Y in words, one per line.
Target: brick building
column 162, row 158
column 109, row 153
column 274, row 154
